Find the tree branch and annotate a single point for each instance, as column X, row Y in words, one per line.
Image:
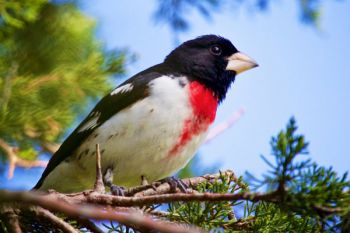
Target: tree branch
column 103, row 199
column 130, row 218
column 92, row 197
column 51, row 218
column 89, row 225
column 15, row 161
column 163, row 188
column 242, row 224
column 323, row 210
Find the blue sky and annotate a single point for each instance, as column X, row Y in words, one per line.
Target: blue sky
column 303, row 72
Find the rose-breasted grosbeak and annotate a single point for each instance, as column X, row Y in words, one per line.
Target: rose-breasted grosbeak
column 152, row 124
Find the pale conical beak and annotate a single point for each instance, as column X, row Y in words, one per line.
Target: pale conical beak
column 240, row 62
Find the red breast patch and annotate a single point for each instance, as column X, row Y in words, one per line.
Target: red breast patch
column 204, row 105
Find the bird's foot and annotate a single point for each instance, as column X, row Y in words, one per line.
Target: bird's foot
column 108, row 181
column 174, row 183
column 117, row 190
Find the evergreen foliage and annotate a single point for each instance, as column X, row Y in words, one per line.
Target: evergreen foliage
column 50, row 65
column 305, row 197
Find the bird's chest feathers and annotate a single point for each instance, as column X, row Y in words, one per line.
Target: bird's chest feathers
column 203, row 105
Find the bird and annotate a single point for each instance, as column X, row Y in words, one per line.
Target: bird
column 151, row 125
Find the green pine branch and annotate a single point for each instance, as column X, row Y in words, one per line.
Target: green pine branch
column 51, row 65
column 307, row 197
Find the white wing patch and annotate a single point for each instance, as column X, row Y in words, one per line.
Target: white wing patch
column 125, row 88
column 91, row 123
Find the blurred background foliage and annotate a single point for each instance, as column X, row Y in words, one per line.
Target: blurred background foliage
column 51, row 63
column 174, row 13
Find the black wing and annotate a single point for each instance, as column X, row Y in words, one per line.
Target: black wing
column 105, row 109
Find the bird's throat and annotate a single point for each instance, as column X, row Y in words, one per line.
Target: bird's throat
column 204, row 104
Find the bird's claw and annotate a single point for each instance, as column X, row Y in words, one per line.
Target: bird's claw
column 174, row 183
column 117, row 190
column 108, row 181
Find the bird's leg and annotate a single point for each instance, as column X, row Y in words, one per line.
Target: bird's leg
column 108, row 181
column 174, row 183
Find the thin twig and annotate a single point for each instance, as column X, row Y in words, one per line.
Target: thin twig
column 89, row 225
column 148, row 190
column 40, row 82
column 327, row 210
column 52, row 219
column 159, row 213
column 15, row 161
column 99, row 186
column 242, row 224
column 50, row 147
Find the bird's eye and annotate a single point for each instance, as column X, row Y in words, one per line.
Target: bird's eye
column 215, row 50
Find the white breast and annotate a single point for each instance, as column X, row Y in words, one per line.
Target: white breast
column 134, row 142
